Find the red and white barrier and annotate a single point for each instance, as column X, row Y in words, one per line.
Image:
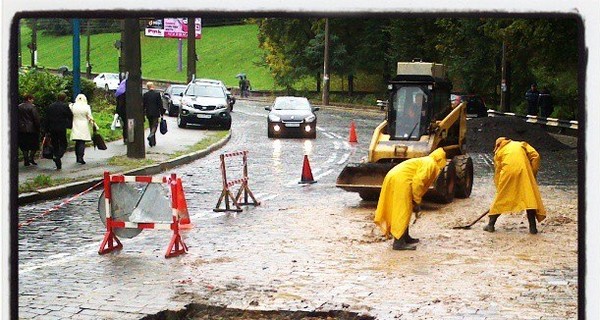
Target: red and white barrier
column 111, row 242
column 226, row 194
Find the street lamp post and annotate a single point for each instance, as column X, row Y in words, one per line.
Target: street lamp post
column 326, row 65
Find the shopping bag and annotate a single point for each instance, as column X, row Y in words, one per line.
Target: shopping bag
column 163, row 126
column 98, row 141
column 47, row 149
column 116, row 122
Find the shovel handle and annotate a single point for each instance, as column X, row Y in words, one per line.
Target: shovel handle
column 474, row 222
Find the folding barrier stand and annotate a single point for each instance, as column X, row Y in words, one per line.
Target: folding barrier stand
column 226, row 194
column 176, row 245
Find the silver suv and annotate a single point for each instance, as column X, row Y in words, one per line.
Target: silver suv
column 204, row 103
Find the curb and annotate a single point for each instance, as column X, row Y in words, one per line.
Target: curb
column 79, row 186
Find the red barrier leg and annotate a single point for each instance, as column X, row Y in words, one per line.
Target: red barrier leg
column 108, row 243
column 176, row 246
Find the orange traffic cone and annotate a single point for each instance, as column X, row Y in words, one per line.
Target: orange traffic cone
column 307, row 176
column 352, row 133
column 182, row 209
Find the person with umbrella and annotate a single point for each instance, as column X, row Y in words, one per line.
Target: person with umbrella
column 121, row 109
column 241, row 83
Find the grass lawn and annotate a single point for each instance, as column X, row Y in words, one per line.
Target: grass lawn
column 223, row 52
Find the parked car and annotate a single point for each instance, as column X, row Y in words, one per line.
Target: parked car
column 172, row 98
column 475, row 104
column 292, row 116
column 204, row 103
column 230, row 97
column 107, row 81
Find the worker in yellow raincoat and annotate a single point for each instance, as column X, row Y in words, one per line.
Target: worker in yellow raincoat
column 401, row 194
column 516, row 166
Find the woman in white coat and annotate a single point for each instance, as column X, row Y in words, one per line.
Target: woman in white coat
column 80, row 132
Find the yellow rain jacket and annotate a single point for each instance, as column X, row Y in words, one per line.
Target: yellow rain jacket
column 404, row 184
column 516, row 165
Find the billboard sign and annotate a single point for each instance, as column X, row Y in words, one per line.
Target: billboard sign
column 172, row 28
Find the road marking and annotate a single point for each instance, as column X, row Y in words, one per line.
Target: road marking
column 326, row 173
column 344, row 159
column 327, row 134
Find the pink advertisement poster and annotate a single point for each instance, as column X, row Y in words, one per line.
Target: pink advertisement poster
column 172, row 28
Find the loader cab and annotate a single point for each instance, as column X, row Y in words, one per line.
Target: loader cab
column 414, row 103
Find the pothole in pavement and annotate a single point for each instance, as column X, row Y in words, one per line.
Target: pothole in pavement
column 201, row 311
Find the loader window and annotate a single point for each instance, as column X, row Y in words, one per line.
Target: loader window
column 409, row 108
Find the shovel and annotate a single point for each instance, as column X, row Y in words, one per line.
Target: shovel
column 472, row 223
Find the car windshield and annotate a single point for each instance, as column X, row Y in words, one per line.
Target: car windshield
column 292, row 104
column 408, row 103
column 177, row 90
column 112, row 76
column 205, row 91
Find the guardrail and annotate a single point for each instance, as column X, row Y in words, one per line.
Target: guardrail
column 554, row 122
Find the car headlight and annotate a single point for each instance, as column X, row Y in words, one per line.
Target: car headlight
column 310, row 118
column 274, row 118
column 221, row 106
column 186, row 103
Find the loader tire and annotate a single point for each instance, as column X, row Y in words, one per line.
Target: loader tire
column 464, row 176
column 369, row 196
column 445, row 184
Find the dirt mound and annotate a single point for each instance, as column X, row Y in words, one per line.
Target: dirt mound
column 483, row 132
column 206, row 312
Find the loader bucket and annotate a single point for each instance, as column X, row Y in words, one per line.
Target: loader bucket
column 364, row 178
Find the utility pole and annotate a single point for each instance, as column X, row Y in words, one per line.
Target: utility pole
column 87, row 52
column 326, row 65
column 76, row 59
column 179, row 55
column 34, row 44
column 132, row 58
column 191, row 48
column 505, row 84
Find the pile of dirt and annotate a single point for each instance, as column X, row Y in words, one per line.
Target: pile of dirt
column 483, row 132
column 201, row 311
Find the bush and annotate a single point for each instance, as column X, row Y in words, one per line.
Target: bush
column 42, row 85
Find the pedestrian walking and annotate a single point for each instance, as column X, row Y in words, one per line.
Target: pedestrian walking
column 153, row 109
column 80, row 132
column 29, row 130
column 532, row 97
column 246, row 87
column 401, row 194
column 121, row 109
column 59, row 117
column 545, row 102
column 516, row 166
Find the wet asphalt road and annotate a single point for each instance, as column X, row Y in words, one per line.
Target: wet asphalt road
column 58, row 254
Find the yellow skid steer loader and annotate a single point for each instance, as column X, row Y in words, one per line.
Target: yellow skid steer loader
column 420, row 119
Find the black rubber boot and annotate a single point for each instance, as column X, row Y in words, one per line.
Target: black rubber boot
column 532, row 223
column 490, row 225
column 402, row 244
column 408, row 239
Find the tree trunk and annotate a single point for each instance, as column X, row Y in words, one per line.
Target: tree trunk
column 318, row 82
column 350, row 84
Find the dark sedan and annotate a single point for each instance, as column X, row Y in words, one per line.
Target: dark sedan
column 291, row 116
column 172, row 98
